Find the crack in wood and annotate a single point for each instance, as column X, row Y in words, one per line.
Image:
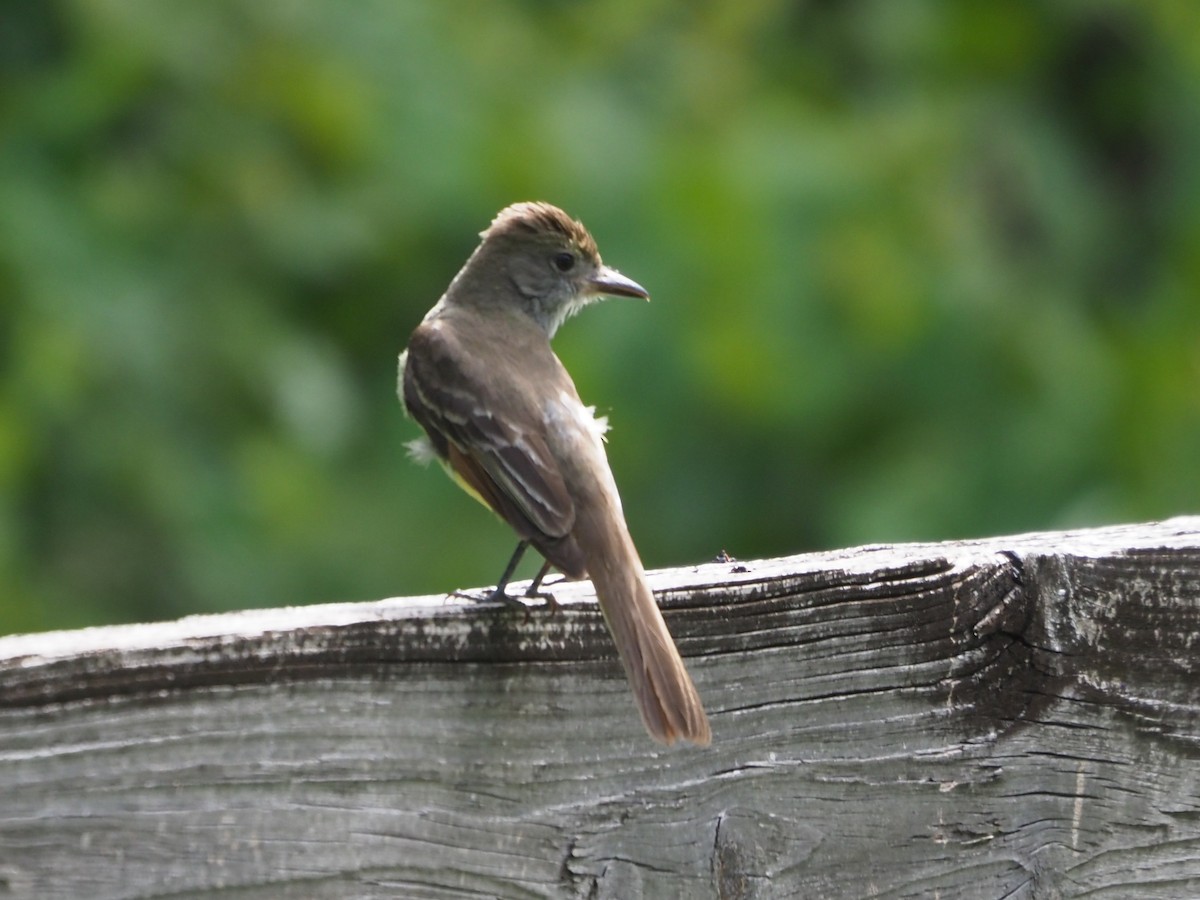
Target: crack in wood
column 1015, row 717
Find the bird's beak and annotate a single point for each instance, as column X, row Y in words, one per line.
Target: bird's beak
column 610, row 281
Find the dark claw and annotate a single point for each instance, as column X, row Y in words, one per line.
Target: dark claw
column 496, row 595
column 534, row 594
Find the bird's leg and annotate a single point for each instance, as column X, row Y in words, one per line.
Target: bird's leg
column 535, row 588
column 535, row 585
column 499, row 593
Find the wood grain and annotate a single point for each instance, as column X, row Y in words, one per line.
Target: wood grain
column 1010, row 718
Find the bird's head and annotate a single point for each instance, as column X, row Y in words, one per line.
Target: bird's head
column 552, row 262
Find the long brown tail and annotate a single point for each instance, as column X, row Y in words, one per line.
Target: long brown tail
column 665, row 694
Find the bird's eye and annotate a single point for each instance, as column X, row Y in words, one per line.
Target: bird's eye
column 564, row 262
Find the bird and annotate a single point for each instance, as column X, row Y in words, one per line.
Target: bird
column 502, row 415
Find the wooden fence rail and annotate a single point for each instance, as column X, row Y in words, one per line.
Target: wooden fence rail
column 1007, row 718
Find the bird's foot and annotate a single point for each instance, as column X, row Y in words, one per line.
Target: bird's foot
column 495, row 595
column 534, row 593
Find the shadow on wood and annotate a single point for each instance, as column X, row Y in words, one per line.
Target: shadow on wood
column 1017, row 717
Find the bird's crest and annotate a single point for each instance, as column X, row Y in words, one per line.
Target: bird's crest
column 541, row 218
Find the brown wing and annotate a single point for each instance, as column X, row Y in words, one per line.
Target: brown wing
column 505, row 460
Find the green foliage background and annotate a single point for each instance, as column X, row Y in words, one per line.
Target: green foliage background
column 920, row 270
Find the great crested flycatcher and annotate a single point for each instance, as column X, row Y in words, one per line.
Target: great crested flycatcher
column 502, row 415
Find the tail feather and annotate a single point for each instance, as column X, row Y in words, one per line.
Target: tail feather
column 665, row 695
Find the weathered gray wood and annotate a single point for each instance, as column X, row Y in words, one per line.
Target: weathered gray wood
column 1015, row 718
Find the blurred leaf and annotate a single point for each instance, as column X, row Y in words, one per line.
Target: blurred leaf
column 919, row 271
